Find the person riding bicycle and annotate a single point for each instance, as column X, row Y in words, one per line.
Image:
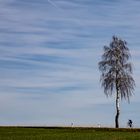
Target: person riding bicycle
column 130, row 123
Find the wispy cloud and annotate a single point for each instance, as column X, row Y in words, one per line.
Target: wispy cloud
column 49, row 53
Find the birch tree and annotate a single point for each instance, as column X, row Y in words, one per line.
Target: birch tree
column 116, row 72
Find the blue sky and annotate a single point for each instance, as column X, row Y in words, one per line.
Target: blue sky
column 49, row 54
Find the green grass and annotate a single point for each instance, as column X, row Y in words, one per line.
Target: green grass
column 40, row 133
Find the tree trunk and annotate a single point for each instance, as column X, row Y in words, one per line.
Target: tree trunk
column 117, row 110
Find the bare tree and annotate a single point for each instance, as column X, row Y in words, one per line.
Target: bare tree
column 116, row 72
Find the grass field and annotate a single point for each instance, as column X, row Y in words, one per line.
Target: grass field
column 58, row 133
